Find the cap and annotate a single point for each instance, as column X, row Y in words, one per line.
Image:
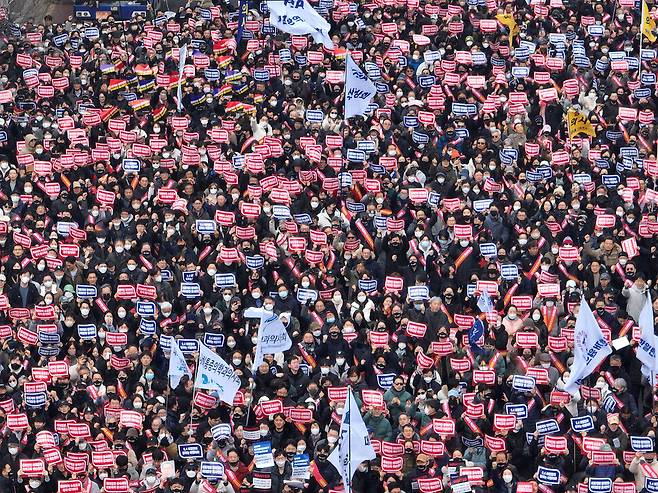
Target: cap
column 422, row 458
column 544, row 358
column 613, row 419
column 605, row 276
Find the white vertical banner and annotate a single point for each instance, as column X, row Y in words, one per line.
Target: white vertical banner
column 359, row 90
column 590, row 347
column 354, row 445
column 647, row 347
column 182, row 58
column 272, row 337
column 177, row 365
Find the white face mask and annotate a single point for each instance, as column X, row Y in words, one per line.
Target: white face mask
column 301, row 449
column 508, row 478
column 264, row 431
column 305, row 284
column 34, row 483
column 132, row 267
column 332, row 440
column 536, row 317
column 84, row 312
column 13, row 450
column 280, row 462
column 118, row 249
column 237, row 361
column 340, row 361
column 463, row 243
column 102, row 269
column 362, row 298
column 315, row 431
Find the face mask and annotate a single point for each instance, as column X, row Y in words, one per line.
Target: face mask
column 137, row 404
column 25, row 279
column 283, row 294
column 121, row 313
column 13, row 450
column 264, row 431
column 119, row 249
column 190, row 473
column 536, row 317
column 427, row 379
column 333, row 440
column 237, row 361
column 255, row 295
column 34, row 483
column 463, row 243
column 132, row 267
column 269, row 307
column 280, row 462
column 508, row 478
column 84, row 312
column 426, row 244
column 324, row 370
column 150, row 479
column 149, row 376
column 330, row 320
column 511, row 316
column 622, row 261
column 340, row 361
column 207, row 311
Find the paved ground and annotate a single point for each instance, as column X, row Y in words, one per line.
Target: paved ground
column 22, row 10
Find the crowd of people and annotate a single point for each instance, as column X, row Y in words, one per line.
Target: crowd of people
column 510, row 149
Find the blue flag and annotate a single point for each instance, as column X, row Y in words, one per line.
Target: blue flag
column 474, row 335
column 243, row 9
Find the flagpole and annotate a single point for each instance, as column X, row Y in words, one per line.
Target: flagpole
column 196, row 369
column 349, row 440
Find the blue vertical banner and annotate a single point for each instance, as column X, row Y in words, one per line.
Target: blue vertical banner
column 243, row 9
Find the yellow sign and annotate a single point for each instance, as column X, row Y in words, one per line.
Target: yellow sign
column 508, row 21
column 578, row 124
column 648, row 23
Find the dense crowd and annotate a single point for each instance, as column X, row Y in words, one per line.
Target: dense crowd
column 510, row 150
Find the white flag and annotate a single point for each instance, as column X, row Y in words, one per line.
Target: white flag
column 590, row 347
column 298, row 17
column 177, row 365
column 646, row 348
column 484, row 302
column 182, row 57
column 272, row 337
column 213, row 373
column 353, row 443
column 359, row 90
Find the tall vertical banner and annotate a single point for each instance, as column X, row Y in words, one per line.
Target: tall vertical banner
column 177, row 365
column 272, row 337
column 359, row 90
column 590, row 347
column 648, row 23
column 182, row 58
column 298, row 17
column 648, row 343
column 243, row 10
column 354, row 445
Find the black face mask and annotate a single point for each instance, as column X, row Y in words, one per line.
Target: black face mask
column 322, row 457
